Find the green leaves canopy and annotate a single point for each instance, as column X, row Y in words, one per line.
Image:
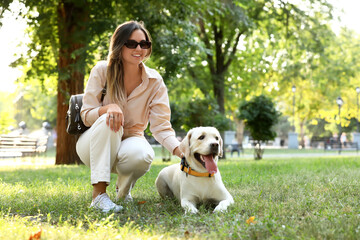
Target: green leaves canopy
column 260, row 116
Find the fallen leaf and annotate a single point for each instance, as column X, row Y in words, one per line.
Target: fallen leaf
column 141, row 202
column 36, row 236
column 186, row 234
column 251, row 220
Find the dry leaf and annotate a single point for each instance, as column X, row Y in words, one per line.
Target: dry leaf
column 186, row 234
column 251, row 220
column 36, row 236
column 141, row 202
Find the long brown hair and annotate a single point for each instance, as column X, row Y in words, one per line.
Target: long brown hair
column 115, row 68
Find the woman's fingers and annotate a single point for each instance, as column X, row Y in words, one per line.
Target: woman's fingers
column 115, row 121
column 111, row 121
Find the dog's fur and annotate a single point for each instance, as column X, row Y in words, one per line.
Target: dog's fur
column 201, row 144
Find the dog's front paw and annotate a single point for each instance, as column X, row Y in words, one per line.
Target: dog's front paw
column 222, row 207
column 188, row 206
column 191, row 210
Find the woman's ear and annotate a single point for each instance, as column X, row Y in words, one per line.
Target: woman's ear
column 185, row 144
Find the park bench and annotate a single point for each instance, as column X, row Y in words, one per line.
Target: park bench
column 319, row 142
column 338, row 146
column 235, row 147
column 22, row 146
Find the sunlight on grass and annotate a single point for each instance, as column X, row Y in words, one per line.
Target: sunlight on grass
column 14, row 227
column 285, row 198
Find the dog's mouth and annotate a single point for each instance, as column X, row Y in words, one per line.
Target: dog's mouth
column 207, row 161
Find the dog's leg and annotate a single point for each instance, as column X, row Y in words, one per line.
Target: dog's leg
column 188, row 206
column 224, row 204
column 163, row 188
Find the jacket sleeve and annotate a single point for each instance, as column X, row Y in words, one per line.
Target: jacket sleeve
column 160, row 125
column 92, row 95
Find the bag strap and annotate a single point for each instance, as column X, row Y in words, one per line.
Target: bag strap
column 103, row 93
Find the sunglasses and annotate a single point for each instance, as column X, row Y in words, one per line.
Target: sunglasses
column 132, row 44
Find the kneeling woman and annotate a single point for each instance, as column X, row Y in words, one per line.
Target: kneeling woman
column 135, row 96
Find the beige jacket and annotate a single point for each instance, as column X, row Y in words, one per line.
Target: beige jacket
column 148, row 102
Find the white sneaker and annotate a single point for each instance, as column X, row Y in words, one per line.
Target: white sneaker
column 102, row 202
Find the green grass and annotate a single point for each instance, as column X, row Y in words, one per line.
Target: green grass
column 302, row 198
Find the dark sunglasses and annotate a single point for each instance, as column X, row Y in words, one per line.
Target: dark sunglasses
column 132, row 44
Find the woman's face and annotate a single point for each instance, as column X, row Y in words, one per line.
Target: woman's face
column 135, row 56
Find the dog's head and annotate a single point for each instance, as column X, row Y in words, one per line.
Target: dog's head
column 202, row 146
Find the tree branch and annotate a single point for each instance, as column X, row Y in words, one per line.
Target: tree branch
column 232, row 54
column 205, row 39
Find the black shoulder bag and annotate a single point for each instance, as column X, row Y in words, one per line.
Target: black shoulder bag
column 74, row 123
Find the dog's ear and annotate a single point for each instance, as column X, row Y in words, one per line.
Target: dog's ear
column 185, row 144
column 221, row 148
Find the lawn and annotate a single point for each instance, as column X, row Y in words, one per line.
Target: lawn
column 293, row 198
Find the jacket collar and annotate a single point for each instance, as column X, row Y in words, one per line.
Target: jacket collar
column 148, row 72
column 184, row 166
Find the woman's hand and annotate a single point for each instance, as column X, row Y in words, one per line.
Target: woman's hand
column 115, row 117
column 178, row 152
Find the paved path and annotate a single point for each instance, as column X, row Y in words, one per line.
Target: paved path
column 299, row 155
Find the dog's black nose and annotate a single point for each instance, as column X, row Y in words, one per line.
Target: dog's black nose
column 214, row 147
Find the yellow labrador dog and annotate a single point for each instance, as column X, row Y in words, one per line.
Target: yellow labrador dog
column 197, row 179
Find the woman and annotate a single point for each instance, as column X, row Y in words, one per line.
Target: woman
column 135, row 96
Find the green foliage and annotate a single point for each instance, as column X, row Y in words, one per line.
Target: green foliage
column 4, row 5
column 6, row 121
column 6, row 112
column 36, row 101
column 172, row 33
column 260, row 116
column 230, row 50
column 198, row 112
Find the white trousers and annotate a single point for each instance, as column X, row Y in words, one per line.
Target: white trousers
column 104, row 152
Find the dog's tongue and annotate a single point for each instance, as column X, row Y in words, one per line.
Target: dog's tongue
column 210, row 163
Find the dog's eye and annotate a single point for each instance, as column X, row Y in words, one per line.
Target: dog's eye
column 201, row 137
column 216, row 138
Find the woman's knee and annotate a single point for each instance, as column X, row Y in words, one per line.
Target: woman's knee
column 136, row 158
column 93, row 141
column 100, row 123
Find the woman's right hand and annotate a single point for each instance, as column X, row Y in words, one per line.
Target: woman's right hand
column 115, row 116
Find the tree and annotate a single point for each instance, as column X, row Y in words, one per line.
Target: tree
column 200, row 111
column 63, row 34
column 260, row 117
column 224, row 26
column 3, row 7
column 66, row 35
column 229, row 50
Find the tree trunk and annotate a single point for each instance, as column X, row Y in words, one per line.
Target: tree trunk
column 258, row 152
column 72, row 36
column 302, row 134
column 239, row 130
column 218, row 87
